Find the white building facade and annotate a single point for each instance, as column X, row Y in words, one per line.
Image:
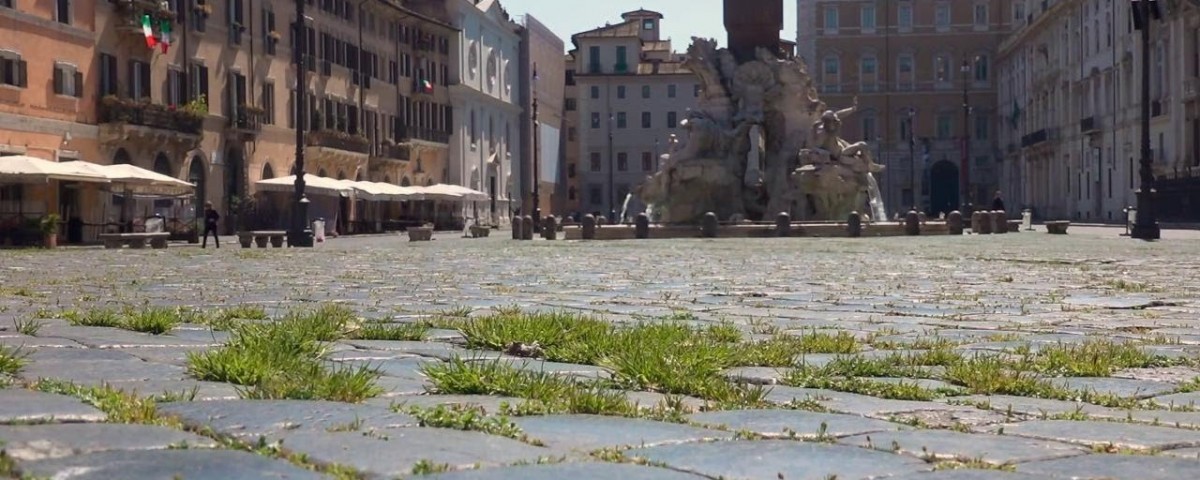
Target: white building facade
column 1070, row 92
column 485, row 97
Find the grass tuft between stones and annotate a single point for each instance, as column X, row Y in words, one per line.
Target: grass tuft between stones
column 286, row 359
column 544, row 393
column 11, row 361
column 463, row 417
column 148, row 319
column 119, row 406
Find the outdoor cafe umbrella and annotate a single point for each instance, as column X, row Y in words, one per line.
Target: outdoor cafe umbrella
column 26, row 169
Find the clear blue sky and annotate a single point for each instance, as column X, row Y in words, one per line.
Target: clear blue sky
column 683, row 18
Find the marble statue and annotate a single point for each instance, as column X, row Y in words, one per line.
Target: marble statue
column 760, row 142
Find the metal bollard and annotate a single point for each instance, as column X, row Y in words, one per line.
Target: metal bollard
column 709, row 226
column 783, row 225
column 589, row 227
column 854, row 225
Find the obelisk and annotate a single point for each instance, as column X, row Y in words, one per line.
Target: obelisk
column 752, row 24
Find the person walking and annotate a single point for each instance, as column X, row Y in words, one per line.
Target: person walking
column 998, row 203
column 211, row 217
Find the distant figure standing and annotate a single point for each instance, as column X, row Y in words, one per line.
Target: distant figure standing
column 998, row 203
column 211, row 217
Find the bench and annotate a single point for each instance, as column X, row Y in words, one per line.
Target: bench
column 158, row 240
column 260, row 237
column 420, row 234
column 1057, row 227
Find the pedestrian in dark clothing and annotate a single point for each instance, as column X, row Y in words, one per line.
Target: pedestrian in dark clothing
column 998, row 203
column 211, row 217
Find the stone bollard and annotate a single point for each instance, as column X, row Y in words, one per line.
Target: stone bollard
column 709, row 226
column 783, row 224
column 641, row 226
column 550, row 228
column 589, row 227
column 985, row 222
column 977, row 223
column 955, row 223
column 912, row 223
column 854, row 225
column 602, row 221
column 517, row 228
column 999, row 222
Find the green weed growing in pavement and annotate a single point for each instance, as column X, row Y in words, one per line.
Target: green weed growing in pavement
column 375, row 330
column 462, row 417
column 28, row 326
column 1093, row 358
column 427, row 467
column 562, row 337
column 545, row 393
column 152, row 320
column 119, row 406
column 98, row 317
column 11, row 361
column 285, row 359
column 782, row 350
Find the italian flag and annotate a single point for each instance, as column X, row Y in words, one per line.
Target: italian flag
column 426, row 86
column 148, row 30
column 164, row 28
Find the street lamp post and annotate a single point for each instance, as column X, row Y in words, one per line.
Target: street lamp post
column 537, row 208
column 964, row 171
column 1146, row 225
column 299, row 235
column 912, row 157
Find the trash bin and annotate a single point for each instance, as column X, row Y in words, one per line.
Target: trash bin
column 319, row 230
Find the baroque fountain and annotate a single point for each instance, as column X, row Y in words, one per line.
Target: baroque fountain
column 760, row 142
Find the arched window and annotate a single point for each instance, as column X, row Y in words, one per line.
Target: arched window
column 321, row 173
column 341, row 175
column 387, row 179
column 121, row 157
column 267, row 172
column 404, row 182
column 162, row 165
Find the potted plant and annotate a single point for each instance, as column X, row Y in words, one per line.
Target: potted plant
column 49, row 227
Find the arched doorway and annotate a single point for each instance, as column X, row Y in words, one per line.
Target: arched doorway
column 387, row 179
column 405, row 182
column 943, row 188
column 121, row 157
column 162, row 164
column 268, row 172
column 197, row 177
column 341, row 175
column 321, row 173
column 234, row 168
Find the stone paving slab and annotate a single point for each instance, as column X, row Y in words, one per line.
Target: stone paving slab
column 766, row 459
column 793, row 423
column 250, row 419
column 100, row 371
column 489, row 404
column 40, row 442
column 572, row 471
column 197, row 464
column 386, row 454
column 106, row 337
column 966, row 474
column 1110, row 467
column 25, row 406
column 185, row 389
column 1120, row 387
column 950, row 445
column 851, row 403
column 583, row 433
column 1102, row 433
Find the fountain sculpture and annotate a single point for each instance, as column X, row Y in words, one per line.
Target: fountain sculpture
column 760, row 142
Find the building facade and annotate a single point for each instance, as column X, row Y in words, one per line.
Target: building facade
column 485, row 93
column 544, row 74
column 208, row 96
column 1070, row 85
column 630, row 93
column 571, row 186
column 909, row 64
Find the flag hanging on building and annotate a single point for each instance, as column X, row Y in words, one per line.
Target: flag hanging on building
column 148, row 31
column 426, row 86
column 164, row 27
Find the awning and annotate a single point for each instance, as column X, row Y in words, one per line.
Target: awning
column 137, row 180
column 444, row 191
column 312, row 184
column 26, row 169
column 392, row 192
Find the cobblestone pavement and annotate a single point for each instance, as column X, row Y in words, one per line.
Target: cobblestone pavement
column 1004, row 295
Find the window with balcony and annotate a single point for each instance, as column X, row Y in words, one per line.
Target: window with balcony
column 13, row 70
column 622, row 66
column 235, row 20
column 173, row 92
column 941, row 16
column 68, row 80
column 904, row 16
column 867, row 17
column 139, row 80
column 831, row 20
column 594, row 162
column 593, row 59
column 108, row 75
column 622, row 162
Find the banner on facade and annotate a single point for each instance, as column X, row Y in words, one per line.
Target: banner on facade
column 548, row 156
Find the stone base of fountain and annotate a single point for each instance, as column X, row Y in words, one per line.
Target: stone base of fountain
column 828, row 229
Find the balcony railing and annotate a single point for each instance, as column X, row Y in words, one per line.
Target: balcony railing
column 621, row 67
column 393, row 152
column 132, row 112
column 248, row 119
column 1034, row 138
column 338, row 140
column 425, row 134
column 130, row 13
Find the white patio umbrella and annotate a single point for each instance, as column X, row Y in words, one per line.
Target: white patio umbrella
column 26, row 169
column 312, row 184
column 444, row 191
column 137, row 180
